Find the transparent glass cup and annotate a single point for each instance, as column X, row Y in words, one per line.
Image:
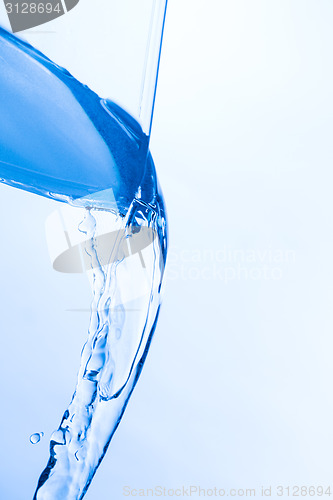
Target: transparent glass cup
column 84, row 233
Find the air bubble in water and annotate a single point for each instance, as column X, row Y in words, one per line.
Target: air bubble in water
column 35, row 438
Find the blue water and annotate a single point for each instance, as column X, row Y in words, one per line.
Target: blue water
column 60, row 140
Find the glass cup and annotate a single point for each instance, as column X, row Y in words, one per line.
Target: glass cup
column 84, row 233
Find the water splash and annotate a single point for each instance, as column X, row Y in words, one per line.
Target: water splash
column 112, row 357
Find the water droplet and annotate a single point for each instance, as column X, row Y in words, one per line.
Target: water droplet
column 35, row 438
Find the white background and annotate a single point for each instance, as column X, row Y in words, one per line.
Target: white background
column 237, row 388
